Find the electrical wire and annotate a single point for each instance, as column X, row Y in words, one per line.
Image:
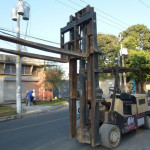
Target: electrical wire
column 106, row 13
column 27, row 3
column 25, row 48
column 66, row 5
column 112, row 21
column 10, row 44
column 144, row 4
column 71, row 8
column 97, row 19
column 6, row 30
column 98, row 15
column 26, row 30
column 75, row 3
column 109, row 24
column 8, row 34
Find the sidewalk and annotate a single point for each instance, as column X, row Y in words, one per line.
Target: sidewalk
column 30, row 110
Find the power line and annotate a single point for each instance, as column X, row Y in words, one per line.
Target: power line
column 26, row 30
column 144, row 4
column 6, row 30
column 10, row 44
column 105, row 13
column 98, row 14
column 75, row 3
column 97, row 19
column 112, row 21
column 109, row 24
column 66, row 5
column 7, row 33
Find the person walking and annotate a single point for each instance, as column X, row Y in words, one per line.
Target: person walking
column 29, row 96
column 33, row 97
column 33, row 93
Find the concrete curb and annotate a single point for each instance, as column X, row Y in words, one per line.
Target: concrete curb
column 11, row 117
column 19, row 116
column 28, row 112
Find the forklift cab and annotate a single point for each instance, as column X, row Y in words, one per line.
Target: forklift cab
column 126, row 111
column 130, row 104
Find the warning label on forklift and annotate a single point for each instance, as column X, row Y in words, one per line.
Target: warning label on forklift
column 130, row 124
column 140, row 121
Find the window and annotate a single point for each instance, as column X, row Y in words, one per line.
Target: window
column 1, row 68
column 10, row 69
column 25, row 70
column 141, row 101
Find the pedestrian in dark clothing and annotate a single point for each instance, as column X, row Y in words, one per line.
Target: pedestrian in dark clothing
column 29, row 96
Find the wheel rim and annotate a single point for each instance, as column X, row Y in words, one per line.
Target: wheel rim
column 115, row 137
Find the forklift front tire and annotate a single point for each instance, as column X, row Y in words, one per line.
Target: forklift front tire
column 110, row 135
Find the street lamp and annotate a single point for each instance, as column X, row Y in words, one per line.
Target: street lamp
column 22, row 9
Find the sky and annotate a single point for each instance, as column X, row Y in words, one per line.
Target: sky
column 48, row 16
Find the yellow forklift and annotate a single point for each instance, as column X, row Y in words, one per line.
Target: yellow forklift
column 122, row 112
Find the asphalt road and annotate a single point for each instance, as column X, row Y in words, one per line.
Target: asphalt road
column 49, row 131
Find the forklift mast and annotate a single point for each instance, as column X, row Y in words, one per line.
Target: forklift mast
column 83, row 38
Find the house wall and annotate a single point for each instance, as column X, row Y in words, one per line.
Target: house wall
column 9, row 92
column 45, row 93
column 8, row 77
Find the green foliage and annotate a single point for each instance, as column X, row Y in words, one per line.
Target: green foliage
column 54, row 75
column 110, row 47
column 136, row 40
column 141, row 34
column 130, row 42
column 139, row 59
column 53, row 102
column 7, row 110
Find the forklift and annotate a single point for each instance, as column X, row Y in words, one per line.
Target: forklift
column 122, row 112
column 119, row 113
column 100, row 121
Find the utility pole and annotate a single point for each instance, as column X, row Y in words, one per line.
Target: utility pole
column 120, row 76
column 122, row 54
column 124, row 74
column 21, row 9
column 18, row 69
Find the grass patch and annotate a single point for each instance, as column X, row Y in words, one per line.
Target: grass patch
column 53, row 102
column 7, row 110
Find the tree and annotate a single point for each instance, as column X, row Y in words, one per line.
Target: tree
column 141, row 34
column 139, row 59
column 110, row 48
column 136, row 39
column 130, row 43
column 53, row 76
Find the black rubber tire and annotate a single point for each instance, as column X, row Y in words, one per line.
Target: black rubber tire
column 110, row 135
column 147, row 122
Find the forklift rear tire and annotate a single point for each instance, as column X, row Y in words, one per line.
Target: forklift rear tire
column 110, row 135
column 147, row 122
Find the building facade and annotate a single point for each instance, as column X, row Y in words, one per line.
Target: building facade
column 30, row 77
